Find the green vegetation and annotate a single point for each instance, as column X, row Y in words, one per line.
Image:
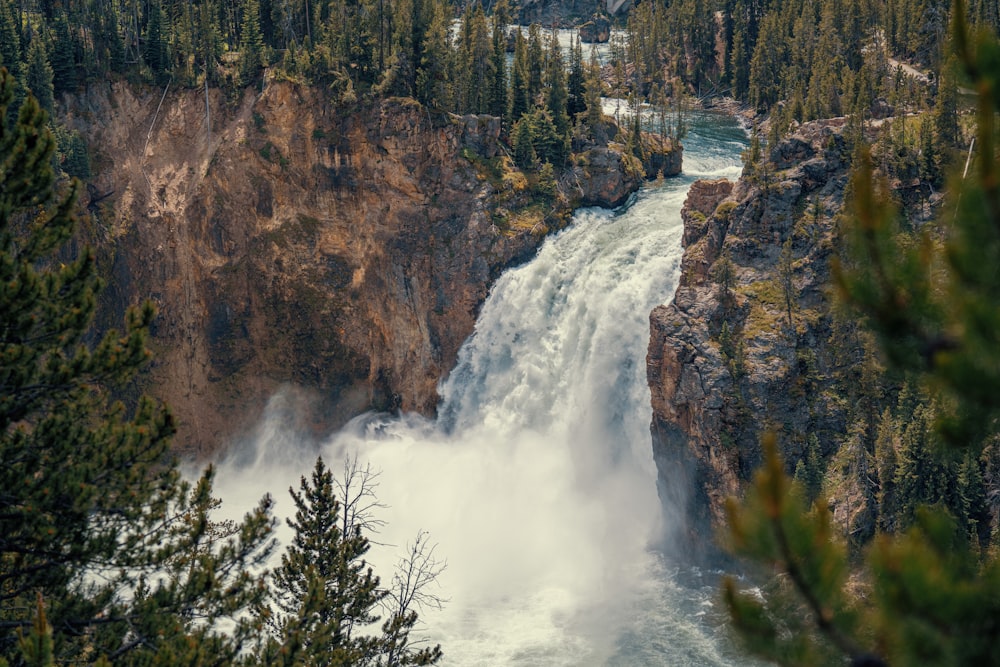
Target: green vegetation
column 107, row 556
column 96, row 526
column 325, row 595
column 911, row 575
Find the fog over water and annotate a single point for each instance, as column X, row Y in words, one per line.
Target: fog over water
column 537, row 480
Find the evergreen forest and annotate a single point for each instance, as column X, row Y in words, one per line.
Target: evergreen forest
column 108, row 556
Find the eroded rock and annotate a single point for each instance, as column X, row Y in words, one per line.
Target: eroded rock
column 344, row 254
column 733, row 356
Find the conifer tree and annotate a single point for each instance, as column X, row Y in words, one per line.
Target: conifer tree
column 208, row 43
column 576, row 83
column 155, row 50
column 10, row 38
column 764, row 82
column 520, row 94
column 113, row 55
column 62, row 59
column 523, row 143
column 809, row 470
column 946, row 134
column 412, row 19
column 325, row 592
column 39, row 75
column 498, row 91
column 326, row 595
column 434, row 84
column 885, row 470
column 94, row 517
column 555, row 81
column 251, row 42
column 739, row 65
column 593, row 91
column 480, row 64
column 536, row 63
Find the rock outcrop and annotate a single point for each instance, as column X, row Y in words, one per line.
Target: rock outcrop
column 596, row 31
column 745, row 344
column 289, row 243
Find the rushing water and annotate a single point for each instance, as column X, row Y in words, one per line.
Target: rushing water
column 537, row 481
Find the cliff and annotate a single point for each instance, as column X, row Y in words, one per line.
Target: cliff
column 287, row 243
column 749, row 342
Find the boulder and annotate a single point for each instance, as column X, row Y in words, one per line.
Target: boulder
column 595, row 31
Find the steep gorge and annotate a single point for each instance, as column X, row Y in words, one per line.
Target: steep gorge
column 342, row 255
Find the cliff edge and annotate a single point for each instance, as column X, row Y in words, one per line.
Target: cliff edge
column 748, row 342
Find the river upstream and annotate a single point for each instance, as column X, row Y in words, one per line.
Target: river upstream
column 537, row 481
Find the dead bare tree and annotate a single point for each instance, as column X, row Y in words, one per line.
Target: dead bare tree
column 413, row 590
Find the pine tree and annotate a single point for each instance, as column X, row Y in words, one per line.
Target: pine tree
column 520, row 94
column 93, row 514
column 434, row 85
column 946, row 134
column 886, row 470
column 412, row 19
column 739, row 66
column 113, row 56
column 555, row 81
column 10, row 38
column 523, row 143
column 208, row 43
column 595, row 112
column 786, row 275
column 536, row 63
column 576, row 83
column 155, row 51
column 498, row 91
column 769, row 57
column 823, row 96
column 326, row 595
column 39, row 75
column 479, row 65
column 549, row 144
column 62, row 59
column 809, row 469
column 251, row 42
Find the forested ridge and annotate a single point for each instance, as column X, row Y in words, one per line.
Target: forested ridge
column 450, row 58
column 796, row 60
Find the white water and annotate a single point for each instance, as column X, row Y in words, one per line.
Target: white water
column 537, row 481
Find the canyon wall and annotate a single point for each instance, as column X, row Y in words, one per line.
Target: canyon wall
column 289, row 244
column 749, row 342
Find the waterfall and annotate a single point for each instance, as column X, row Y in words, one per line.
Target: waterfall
column 537, row 481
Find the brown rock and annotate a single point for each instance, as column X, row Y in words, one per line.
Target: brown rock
column 343, row 253
column 595, row 31
column 604, row 176
column 293, row 244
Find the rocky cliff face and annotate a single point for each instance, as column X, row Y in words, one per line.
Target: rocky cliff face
column 749, row 342
column 287, row 243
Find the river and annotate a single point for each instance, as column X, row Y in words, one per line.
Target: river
column 537, row 481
